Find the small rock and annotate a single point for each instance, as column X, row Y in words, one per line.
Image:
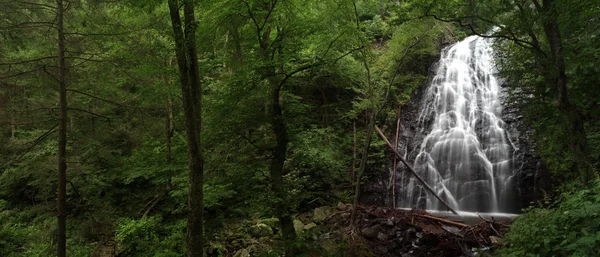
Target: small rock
column 382, row 249
column 369, row 232
column 242, row 253
column 390, row 222
column 382, row 236
column 341, row 206
column 346, row 215
column 260, row 230
column 298, row 225
column 496, row 240
column 310, row 226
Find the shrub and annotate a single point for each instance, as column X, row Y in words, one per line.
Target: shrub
column 570, row 229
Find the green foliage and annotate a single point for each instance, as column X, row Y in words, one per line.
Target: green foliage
column 572, row 228
column 150, row 237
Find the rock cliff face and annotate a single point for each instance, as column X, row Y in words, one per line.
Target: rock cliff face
column 531, row 174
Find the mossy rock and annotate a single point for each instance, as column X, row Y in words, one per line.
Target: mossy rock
column 298, row 226
column 242, row 253
column 322, row 213
column 310, row 226
column 260, row 230
column 272, row 222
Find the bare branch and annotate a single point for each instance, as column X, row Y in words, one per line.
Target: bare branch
column 27, row 25
column 50, row 7
column 258, row 27
column 28, row 61
column 35, row 143
column 30, row 123
column 88, row 112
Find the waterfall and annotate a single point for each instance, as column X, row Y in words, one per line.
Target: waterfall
column 466, row 156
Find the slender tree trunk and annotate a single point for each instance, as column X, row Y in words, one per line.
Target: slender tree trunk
column 237, row 42
column 13, row 127
column 170, row 128
column 277, row 164
column 576, row 134
column 353, row 152
column 62, row 134
column 187, row 61
column 394, row 166
column 280, row 150
column 363, row 164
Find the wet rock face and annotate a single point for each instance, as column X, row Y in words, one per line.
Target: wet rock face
column 533, row 175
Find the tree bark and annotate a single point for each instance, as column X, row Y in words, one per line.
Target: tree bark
column 169, row 128
column 62, row 134
column 13, row 127
column 277, row 164
column 363, row 165
column 395, row 159
column 191, row 91
column 279, row 130
column 352, row 170
column 576, row 134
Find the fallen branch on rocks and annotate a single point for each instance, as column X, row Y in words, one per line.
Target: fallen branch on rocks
column 444, row 220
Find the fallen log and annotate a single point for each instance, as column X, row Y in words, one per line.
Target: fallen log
column 458, row 224
column 410, row 169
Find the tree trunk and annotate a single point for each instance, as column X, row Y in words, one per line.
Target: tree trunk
column 13, row 127
column 170, row 128
column 62, row 134
column 576, row 134
column 394, row 166
column 277, row 163
column 363, row 165
column 281, row 138
column 353, row 153
column 191, row 91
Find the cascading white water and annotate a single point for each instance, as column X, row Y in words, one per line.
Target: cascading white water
column 466, row 156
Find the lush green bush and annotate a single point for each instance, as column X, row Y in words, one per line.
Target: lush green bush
column 570, row 229
column 150, row 237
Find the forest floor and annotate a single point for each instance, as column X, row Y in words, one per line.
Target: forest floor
column 327, row 231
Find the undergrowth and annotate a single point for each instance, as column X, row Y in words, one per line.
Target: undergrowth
column 572, row 228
